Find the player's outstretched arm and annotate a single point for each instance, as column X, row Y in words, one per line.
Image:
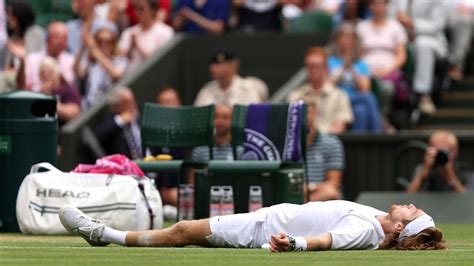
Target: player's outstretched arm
column 283, row 243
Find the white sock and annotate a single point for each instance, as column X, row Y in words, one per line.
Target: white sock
column 113, row 236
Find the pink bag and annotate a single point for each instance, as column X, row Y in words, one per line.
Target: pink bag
column 112, row 164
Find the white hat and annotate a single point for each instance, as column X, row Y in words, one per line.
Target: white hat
column 416, row 226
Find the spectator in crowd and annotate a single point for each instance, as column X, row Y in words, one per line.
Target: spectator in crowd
column 86, row 15
column 24, row 36
column 437, row 173
column 325, row 161
column 120, row 132
column 102, row 66
column 330, row 7
column 222, row 149
column 424, row 22
column 353, row 11
column 168, row 182
column 28, row 76
column 52, row 83
column 141, row 41
column 163, row 13
column 460, row 26
column 353, row 76
column 168, row 96
column 383, row 47
column 258, row 15
column 199, row 16
column 334, row 113
column 227, row 86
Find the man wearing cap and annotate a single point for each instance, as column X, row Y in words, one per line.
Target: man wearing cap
column 28, row 75
column 330, row 225
column 227, row 86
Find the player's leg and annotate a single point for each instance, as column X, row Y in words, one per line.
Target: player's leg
column 96, row 233
column 180, row 234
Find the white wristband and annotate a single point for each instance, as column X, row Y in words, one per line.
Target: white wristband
column 300, row 244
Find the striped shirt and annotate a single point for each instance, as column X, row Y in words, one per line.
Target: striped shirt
column 201, row 153
column 324, row 154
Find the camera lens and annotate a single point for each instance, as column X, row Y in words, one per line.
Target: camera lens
column 442, row 157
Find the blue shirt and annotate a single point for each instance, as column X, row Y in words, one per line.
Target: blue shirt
column 213, row 10
column 336, row 65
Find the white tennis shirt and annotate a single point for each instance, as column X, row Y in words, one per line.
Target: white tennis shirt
column 351, row 225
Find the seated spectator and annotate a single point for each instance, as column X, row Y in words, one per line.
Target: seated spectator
column 101, row 67
column 222, row 149
column 383, row 42
column 353, row 11
column 24, row 36
column 167, row 183
column 51, row 82
column 460, row 27
column 436, row 174
column 168, row 96
column 120, row 131
column 425, row 23
column 352, row 75
column 325, row 161
column 200, row 16
column 28, row 76
column 258, row 15
column 141, row 41
column 86, row 15
column 227, row 86
column 334, row 113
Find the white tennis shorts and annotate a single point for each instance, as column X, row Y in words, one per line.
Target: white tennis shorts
column 246, row 230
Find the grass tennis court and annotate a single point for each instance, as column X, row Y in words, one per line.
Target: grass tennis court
column 17, row 249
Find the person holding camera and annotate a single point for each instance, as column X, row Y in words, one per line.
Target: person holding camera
column 438, row 171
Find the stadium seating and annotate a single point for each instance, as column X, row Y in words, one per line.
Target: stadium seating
column 280, row 181
column 175, row 127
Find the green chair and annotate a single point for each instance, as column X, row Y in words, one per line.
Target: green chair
column 311, row 22
column 175, row 127
column 280, row 181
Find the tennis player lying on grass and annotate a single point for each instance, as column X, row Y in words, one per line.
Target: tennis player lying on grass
column 284, row 227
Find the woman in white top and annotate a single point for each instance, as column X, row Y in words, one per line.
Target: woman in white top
column 337, row 225
column 382, row 45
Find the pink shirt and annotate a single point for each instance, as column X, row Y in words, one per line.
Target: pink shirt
column 32, row 65
column 151, row 40
column 378, row 43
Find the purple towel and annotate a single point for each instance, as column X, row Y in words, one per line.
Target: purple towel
column 274, row 132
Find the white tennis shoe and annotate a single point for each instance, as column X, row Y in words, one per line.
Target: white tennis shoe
column 76, row 222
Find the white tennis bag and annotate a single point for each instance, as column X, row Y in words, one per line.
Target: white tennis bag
column 123, row 202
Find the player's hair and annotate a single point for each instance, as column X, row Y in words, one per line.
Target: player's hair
column 429, row 239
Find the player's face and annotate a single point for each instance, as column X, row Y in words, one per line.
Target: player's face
column 405, row 213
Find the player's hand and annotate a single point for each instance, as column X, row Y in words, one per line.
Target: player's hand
column 279, row 243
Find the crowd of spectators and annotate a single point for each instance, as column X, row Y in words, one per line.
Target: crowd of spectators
column 79, row 61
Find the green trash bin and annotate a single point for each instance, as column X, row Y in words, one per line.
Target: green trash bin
column 28, row 135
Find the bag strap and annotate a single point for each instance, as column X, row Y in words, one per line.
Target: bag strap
column 150, row 211
column 36, row 167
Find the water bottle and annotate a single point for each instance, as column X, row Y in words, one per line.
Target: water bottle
column 183, row 202
column 255, row 198
column 190, row 195
column 227, row 202
column 215, row 201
